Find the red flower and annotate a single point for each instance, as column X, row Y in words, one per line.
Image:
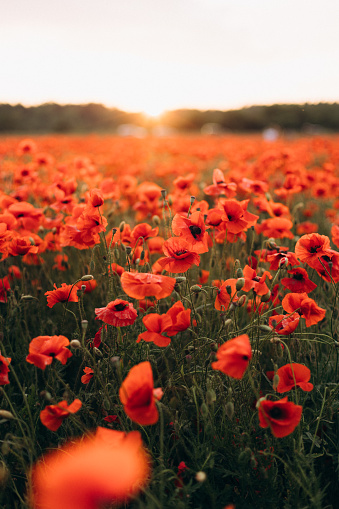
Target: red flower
column 67, row 293
column 140, row 285
column 193, row 230
column 225, row 293
column 137, row 395
column 299, row 282
column 277, row 227
column 301, row 374
column 234, row 356
column 4, row 370
column 180, row 319
column 90, row 472
column 220, row 186
column 284, row 324
column 281, row 416
column 311, row 247
column 53, row 415
column 87, row 376
column 156, row 325
column 43, row 349
column 305, row 306
column 252, row 281
column 119, row 313
column 179, row 257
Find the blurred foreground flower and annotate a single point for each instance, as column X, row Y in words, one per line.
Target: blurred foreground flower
column 106, row 468
column 234, row 356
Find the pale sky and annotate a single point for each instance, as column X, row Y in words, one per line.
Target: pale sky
column 155, row 55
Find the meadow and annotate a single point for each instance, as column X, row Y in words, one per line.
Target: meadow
column 169, row 322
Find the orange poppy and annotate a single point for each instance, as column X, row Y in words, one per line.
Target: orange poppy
column 305, row 306
column 143, row 231
column 277, row 227
column 106, row 468
column 140, row 285
column 226, row 292
column 281, row 416
column 4, row 370
column 233, row 216
column 193, row 230
column 20, row 246
column 178, row 258
column 275, row 258
column 327, row 266
column 335, row 234
column 301, row 375
column 137, row 395
column 284, row 324
column 156, row 325
column 220, row 186
column 67, row 293
column 299, row 282
column 85, row 379
column 43, row 349
column 311, row 247
column 180, row 319
column 119, row 313
column 234, row 356
column 4, row 287
column 53, row 415
column 252, row 281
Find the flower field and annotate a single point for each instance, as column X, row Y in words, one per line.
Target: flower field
column 169, row 322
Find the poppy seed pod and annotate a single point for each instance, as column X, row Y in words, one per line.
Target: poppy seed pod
column 266, row 297
column 276, row 379
column 240, row 273
column 75, row 343
column 239, row 284
column 5, row 414
column 195, row 289
column 87, row 277
column 229, row 409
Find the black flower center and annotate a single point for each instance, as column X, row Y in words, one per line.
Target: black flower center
column 314, row 249
column 120, row 307
column 276, row 413
column 298, row 277
column 179, row 253
column 195, row 230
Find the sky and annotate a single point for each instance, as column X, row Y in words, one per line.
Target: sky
column 156, row 55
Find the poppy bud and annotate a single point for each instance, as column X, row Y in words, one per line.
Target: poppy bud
column 46, row 395
column 239, row 284
column 5, row 448
column 200, row 476
column 163, row 193
column 192, row 199
column 92, row 266
column 142, row 255
column 87, row 277
column 275, row 381
column 271, row 243
column 195, row 289
column 240, row 273
column 280, row 351
column 97, row 351
column 229, row 409
column 75, row 344
column 229, row 289
column 237, row 264
column 27, row 297
column 5, row 414
column 128, row 250
column 214, row 347
column 210, row 396
column 156, row 220
column 115, row 361
column 204, row 410
column 283, row 262
column 241, row 301
column 122, row 226
column 116, row 254
column 84, row 324
column 227, row 322
column 170, row 201
column 266, row 297
column 265, row 328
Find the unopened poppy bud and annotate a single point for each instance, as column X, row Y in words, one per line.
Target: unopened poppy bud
column 237, row 263
column 27, row 297
column 156, row 220
column 192, row 199
column 170, row 201
column 204, row 410
column 200, row 476
column 116, row 253
column 232, row 306
column 271, row 243
column 240, row 273
column 214, row 347
column 128, row 250
column 239, row 284
column 122, row 226
column 163, row 193
column 97, row 352
column 227, row 322
column 92, row 266
column 241, row 301
column 210, row 396
column 87, row 277
column 265, row 328
column 229, row 409
column 280, row 351
column 229, row 289
column 115, row 361
column 195, row 289
column 283, row 262
column 79, row 292
column 266, row 297
column 142, row 255
column 75, row 343
column 137, row 261
column 46, row 395
column 180, row 279
column 275, row 381
column 5, row 448
column 5, row 414
column 176, row 288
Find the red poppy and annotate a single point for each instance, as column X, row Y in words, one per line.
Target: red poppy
column 277, row 227
column 335, row 234
column 252, row 281
column 96, row 198
column 43, row 349
column 137, row 395
column 193, row 230
column 180, row 319
column 233, row 216
column 61, row 262
column 20, row 246
column 87, row 376
column 284, row 324
column 67, row 293
column 4, row 370
column 53, row 415
column 143, row 231
column 311, row 247
column 140, row 285
column 299, row 282
column 234, row 356
column 178, row 258
column 119, row 313
column 4, row 287
column 220, row 186
column 87, row 286
column 116, row 269
column 281, row 416
column 327, row 266
column 226, row 293
column 275, row 258
column 301, row 375
column 156, row 326
column 305, row 306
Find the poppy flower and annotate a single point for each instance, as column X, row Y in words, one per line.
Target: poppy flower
column 20, row 246
column 277, row 227
column 137, row 395
column 276, row 257
column 193, row 230
column 140, row 285
column 281, row 416
column 311, row 247
column 119, row 468
column 335, row 234
column 234, row 356
column 252, row 281
column 226, row 293
column 85, row 379
column 305, row 306
column 299, row 282
column 327, row 266
column 301, row 375
column 156, row 325
column 4, row 370
column 284, row 324
column 67, row 293
column 96, row 198
column 233, row 216
column 220, row 186
column 4, row 287
column 143, row 231
column 61, row 262
column 53, row 415
column 87, row 286
column 43, row 349
column 180, row 319
column 119, row 313
column 178, row 258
